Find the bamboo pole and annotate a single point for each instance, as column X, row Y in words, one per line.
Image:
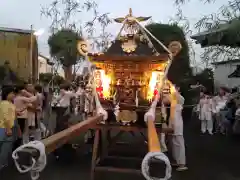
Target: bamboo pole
column 153, row 140
column 55, row 141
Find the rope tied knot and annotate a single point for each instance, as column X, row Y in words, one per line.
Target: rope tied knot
column 157, row 155
column 37, row 163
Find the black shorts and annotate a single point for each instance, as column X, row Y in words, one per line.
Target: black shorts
column 22, row 123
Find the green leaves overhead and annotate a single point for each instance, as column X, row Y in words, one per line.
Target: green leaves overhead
column 63, row 46
column 49, row 77
column 166, row 33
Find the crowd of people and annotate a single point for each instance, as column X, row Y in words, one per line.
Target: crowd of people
column 22, row 113
column 219, row 113
column 23, row 109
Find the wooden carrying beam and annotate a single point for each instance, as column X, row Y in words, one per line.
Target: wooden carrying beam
column 156, row 166
column 55, row 141
column 153, row 140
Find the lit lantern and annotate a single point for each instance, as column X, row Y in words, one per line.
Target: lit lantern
column 154, row 84
column 102, row 83
column 99, row 88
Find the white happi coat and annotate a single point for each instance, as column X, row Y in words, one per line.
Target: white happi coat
column 220, row 102
column 206, row 109
column 178, row 120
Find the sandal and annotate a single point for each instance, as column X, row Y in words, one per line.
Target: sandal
column 184, row 168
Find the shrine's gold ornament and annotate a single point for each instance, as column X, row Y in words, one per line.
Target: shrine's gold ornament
column 129, row 46
column 175, row 47
column 131, row 19
column 126, row 117
column 82, row 47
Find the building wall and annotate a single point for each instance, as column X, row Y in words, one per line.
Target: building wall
column 15, row 48
column 221, row 73
column 43, row 66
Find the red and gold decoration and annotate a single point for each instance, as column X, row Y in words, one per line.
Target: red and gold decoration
column 102, row 81
column 131, row 69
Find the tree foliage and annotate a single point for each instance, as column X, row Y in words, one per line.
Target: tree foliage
column 180, row 2
column 166, row 33
column 49, row 77
column 67, row 27
column 206, row 79
column 63, row 46
column 228, row 12
column 66, row 14
column 182, row 21
column 7, row 76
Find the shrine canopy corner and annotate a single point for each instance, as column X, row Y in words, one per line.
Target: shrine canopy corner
column 226, row 34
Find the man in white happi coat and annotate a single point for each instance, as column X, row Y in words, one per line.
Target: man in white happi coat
column 178, row 145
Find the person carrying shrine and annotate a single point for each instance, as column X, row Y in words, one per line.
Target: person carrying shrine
column 62, row 107
column 178, row 145
column 62, row 104
column 88, row 111
column 80, row 101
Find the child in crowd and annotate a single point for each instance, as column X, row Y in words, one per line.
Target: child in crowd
column 206, row 110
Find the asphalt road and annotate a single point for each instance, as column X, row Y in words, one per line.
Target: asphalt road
column 208, row 157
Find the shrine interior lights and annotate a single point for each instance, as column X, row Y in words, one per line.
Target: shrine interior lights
column 154, row 83
column 106, row 81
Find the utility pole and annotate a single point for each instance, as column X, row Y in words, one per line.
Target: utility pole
column 31, row 55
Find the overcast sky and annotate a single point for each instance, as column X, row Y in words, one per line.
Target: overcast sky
column 22, row 13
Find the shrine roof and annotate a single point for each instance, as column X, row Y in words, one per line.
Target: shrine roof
column 133, row 43
column 142, row 49
column 136, row 58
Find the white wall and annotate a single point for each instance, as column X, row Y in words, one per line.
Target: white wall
column 221, row 73
column 43, row 66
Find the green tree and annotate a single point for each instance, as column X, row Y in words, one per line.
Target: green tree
column 179, row 2
column 63, row 47
column 227, row 13
column 49, row 77
column 180, row 72
column 67, row 28
column 206, row 79
column 180, row 69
